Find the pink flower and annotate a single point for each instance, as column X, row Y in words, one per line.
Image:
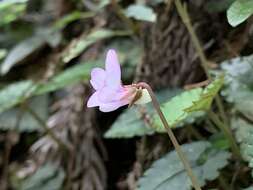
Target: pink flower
column 110, row 94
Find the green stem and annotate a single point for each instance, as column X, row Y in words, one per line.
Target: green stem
column 227, row 132
column 173, row 139
column 183, row 13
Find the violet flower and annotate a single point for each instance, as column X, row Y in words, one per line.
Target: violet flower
column 109, row 93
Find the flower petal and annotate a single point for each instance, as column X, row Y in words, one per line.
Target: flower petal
column 112, row 68
column 107, row 94
column 98, row 78
column 93, row 100
column 107, row 107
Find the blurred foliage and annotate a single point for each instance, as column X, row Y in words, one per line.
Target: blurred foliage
column 45, row 178
column 239, row 11
column 48, row 46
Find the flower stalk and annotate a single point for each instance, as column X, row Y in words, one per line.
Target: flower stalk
column 173, row 139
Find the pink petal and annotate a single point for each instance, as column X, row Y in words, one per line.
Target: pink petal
column 107, row 94
column 111, row 106
column 98, row 78
column 112, row 68
column 93, row 100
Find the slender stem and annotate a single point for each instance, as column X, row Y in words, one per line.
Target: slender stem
column 183, row 13
column 227, row 132
column 171, row 135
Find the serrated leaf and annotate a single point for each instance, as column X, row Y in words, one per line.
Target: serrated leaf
column 45, row 178
column 79, row 45
column 244, row 136
column 239, row 11
column 206, row 97
column 141, row 12
column 190, row 103
column 168, row 172
column 239, row 83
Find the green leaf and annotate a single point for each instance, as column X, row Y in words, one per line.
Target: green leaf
column 77, row 73
column 15, row 93
column 190, row 103
column 45, row 178
column 79, row 45
column 129, row 124
column 11, row 10
column 141, row 12
column 138, row 120
column 244, row 136
column 3, row 53
column 239, row 11
column 168, row 172
column 21, row 51
column 239, row 83
column 73, row 16
column 206, row 97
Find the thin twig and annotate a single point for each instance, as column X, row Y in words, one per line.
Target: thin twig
column 227, row 132
column 171, row 135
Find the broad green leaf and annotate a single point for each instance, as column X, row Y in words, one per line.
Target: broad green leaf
column 141, row 12
column 139, row 120
column 79, row 45
column 168, row 172
column 239, row 11
column 189, row 103
column 15, row 93
column 73, row 16
column 21, row 51
column 129, row 124
column 19, row 119
column 77, row 73
column 45, row 178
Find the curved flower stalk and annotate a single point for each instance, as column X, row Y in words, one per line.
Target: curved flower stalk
column 110, row 94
